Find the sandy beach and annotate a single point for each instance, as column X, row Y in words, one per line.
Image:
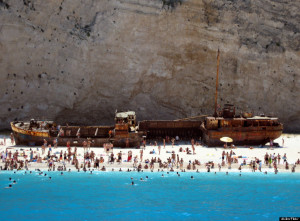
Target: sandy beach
column 202, row 154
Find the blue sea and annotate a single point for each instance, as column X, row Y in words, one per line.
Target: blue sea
column 110, row 196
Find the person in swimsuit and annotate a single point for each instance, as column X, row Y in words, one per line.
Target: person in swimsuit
column 9, row 186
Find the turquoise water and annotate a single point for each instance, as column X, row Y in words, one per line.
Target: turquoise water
column 109, row 196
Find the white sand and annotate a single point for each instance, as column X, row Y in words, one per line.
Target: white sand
column 203, row 154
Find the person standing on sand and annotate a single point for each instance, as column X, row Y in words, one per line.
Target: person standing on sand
column 173, row 158
column 159, row 147
column 193, row 147
column 54, row 143
column 31, row 156
column 45, row 143
column 12, row 138
column 89, row 144
column 43, row 149
column 173, row 142
column 282, row 142
column 181, row 164
column 284, row 158
column 266, row 158
column 141, row 155
column 129, row 156
column 164, row 141
column 84, row 144
column 223, row 155
column 270, row 161
column 135, row 161
column 120, row 157
column 271, row 143
column 3, row 157
column 112, row 159
column 60, row 155
column 260, row 164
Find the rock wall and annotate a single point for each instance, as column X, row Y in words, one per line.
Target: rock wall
column 80, row 60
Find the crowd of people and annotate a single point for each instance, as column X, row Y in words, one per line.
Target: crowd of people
column 55, row 159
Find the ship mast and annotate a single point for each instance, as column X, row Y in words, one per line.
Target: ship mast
column 217, row 82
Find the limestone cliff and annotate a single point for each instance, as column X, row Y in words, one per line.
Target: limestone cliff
column 80, row 60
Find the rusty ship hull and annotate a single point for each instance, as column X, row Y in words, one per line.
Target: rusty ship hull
column 241, row 136
column 243, row 131
column 158, row 129
column 97, row 135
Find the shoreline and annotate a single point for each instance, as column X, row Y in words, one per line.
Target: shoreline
column 124, row 170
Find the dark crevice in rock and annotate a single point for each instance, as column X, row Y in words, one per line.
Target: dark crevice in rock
column 171, row 4
column 4, row 5
column 29, row 4
column 83, row 31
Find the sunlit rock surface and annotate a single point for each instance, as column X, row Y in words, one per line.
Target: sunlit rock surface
column 80, row 60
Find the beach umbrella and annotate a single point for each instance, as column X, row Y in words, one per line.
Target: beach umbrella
column 226, row 139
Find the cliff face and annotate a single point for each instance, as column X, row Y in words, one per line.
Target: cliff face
column 80, row 60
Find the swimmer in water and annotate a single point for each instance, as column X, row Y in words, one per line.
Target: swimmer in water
column 14, row 182
column 266, row 172
column 132, row 183
column 50, row 177
column 146, row 177
column 131, row 178
column 61, row 173
column 30, row 172
column 9, row 178
column 9, row 186
column 162, row 175
column 45, row 174
column 226, row 173
column 192, row 177
column 215, row 172
column 178, row 174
